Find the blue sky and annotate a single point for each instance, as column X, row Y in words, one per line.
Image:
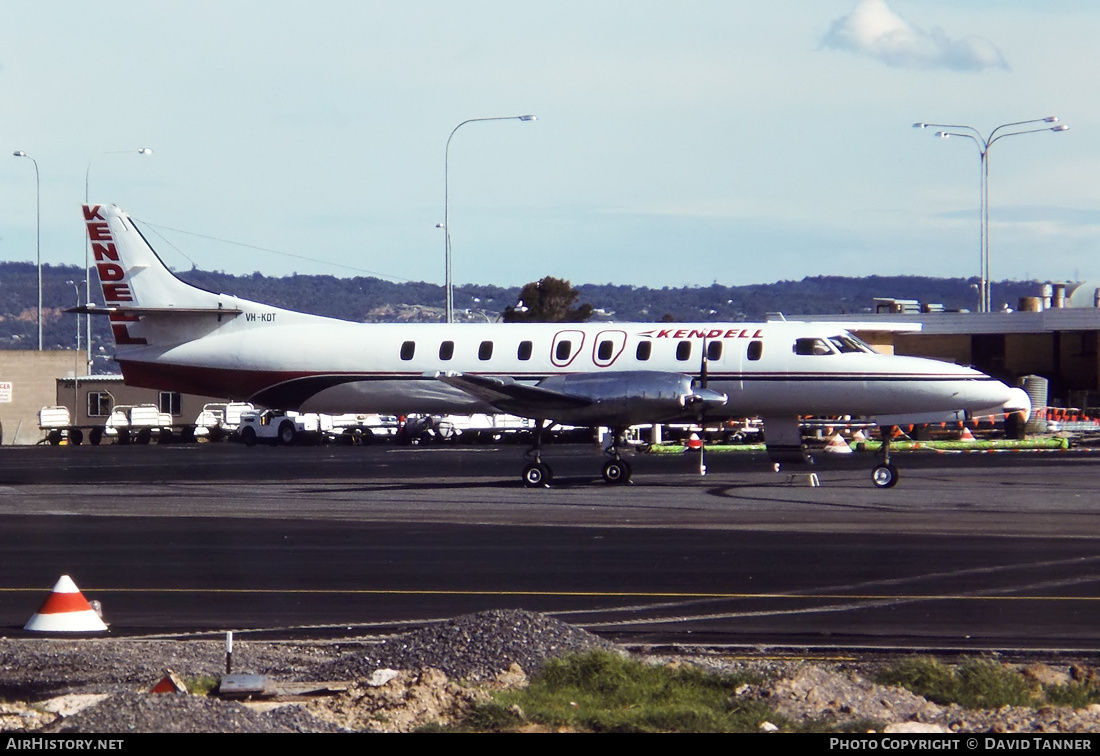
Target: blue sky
column 676, row 143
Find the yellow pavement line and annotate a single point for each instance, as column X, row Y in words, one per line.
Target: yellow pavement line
column 578, row 594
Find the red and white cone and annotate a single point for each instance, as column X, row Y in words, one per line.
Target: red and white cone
column 837, row 445
column 966, row 435
column 694, row 443
column 65, row 610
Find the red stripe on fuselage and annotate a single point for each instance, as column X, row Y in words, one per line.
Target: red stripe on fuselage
column 225, row 383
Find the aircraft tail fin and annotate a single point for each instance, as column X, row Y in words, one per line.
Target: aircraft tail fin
column 144, row 301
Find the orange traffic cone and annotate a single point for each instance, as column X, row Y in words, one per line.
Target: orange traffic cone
column 694, row 443
column 966, row 435
column 65, row 610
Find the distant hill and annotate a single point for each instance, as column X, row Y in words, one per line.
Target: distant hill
column 368, row 299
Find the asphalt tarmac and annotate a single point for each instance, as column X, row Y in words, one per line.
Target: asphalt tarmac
column 969, row 552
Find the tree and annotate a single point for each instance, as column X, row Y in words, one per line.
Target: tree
column 550, row 300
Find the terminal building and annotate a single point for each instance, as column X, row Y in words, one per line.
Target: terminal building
column 1052, row 336
column 28, row 382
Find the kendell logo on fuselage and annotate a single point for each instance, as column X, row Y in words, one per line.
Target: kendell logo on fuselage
column 112, row 276
column 698, row 333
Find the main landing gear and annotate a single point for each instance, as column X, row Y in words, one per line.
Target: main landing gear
column 885, row 475
column 616, row 471
column 537, row 474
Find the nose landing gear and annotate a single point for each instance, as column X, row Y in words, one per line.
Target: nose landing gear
column 885, row 475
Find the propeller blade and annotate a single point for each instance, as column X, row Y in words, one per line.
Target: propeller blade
column 703, row 378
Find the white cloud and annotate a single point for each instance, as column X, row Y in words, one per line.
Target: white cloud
column 873, row 29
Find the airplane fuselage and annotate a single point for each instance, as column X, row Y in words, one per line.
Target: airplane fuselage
column 294, row 361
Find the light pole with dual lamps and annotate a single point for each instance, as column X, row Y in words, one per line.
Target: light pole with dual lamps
column 983, row 143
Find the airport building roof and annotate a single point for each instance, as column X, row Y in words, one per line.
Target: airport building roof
column 936, row 323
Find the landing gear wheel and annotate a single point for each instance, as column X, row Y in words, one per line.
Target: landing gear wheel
column 248, row 436
column 95, row 436
column 884, row 476
column 617, row 472
column 76, row 437
column 286, row 433
column 537, row 475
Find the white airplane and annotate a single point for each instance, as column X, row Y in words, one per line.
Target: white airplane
column 173, row 336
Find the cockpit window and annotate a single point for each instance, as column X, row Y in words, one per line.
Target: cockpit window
column 810, row 346
column 846, row 344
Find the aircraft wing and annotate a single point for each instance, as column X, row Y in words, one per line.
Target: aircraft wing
column 514, row 398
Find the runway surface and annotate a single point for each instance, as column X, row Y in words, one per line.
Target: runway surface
column 968, row 552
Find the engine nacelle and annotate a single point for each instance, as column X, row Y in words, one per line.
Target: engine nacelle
column 620, row 399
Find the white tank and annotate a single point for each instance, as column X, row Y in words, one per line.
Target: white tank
column 1085, row 295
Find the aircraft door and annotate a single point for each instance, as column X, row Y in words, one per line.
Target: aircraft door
column 607, row 347
column 567, row 345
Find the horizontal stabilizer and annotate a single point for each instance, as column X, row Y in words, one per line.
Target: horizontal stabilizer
column 97, row 310
column 511, row 397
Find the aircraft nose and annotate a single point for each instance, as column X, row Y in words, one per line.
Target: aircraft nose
column 976, row 390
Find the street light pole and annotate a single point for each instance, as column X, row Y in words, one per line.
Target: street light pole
column 87, row 242
column 76, row 291
column 37, row 235
column 984, row 144
column 446, row 204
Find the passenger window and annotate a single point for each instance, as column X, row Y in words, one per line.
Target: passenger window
column 756, row 350
column 683, row 351
column 714, row 350
column 564, row 349
column 524, row 351
column 446, row 350
column 485, row 351
column 645, row 349
column 604, row 351
column 408, row 349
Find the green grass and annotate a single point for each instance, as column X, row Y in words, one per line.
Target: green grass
column 983, row 684
column 1074, row 694
column 201, row 686
column 604, row 692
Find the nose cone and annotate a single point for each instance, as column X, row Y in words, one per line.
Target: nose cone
column 977, row 393
column 946, row 386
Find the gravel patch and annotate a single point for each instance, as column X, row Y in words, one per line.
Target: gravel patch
column 472, row 647
column 431, row 676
